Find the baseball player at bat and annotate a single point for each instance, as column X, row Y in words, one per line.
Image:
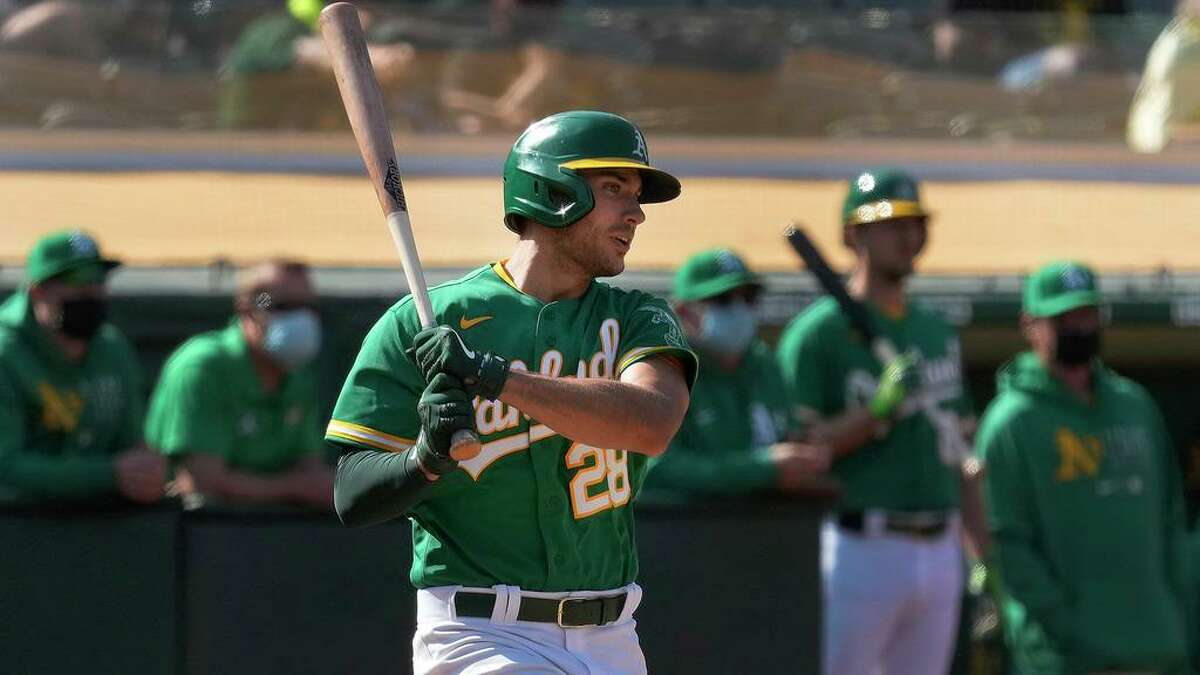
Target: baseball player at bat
column 524, row 555
column 1084, row 498
column 891, row 559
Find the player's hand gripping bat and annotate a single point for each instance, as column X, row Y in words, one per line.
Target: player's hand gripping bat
column 951, row 442
column 363, row 101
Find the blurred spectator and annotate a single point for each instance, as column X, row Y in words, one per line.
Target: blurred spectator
column 237, row 407
column 278, row 74
column 891, row 556
column 76, row 29
column 738, row 436
column 529, row 26
column 1054, row 39
column 71, row 392
column 1084, row 498
column 1169, row 94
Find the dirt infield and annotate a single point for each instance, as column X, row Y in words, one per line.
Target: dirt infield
column 194, row 218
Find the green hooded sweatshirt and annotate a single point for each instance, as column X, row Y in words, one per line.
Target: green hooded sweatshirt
column 61, row 423
column 1085, row 506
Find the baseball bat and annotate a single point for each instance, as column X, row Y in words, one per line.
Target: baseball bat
column 832, row 284
column 363, row 101
column 944, row 421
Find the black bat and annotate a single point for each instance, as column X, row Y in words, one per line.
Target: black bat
column 831, row 283
column 947, row 424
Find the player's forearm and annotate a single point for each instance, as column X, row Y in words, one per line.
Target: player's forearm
column 602, row 413
column 373, row 487
column 979, row 540
column 32, row 475
column 847, row 432
column 243, row 487
column 687, row 470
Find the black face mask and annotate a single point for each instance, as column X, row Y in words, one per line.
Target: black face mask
column 81, row 318
column 1074, row 348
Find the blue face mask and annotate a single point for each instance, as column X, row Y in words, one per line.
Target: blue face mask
column 728, row 329
column 293, row 338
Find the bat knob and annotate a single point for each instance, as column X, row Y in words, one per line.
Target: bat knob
column 464, row 445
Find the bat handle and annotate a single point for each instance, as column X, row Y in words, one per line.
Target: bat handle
column 464, row 445
column 401, row 228
column 884, row 350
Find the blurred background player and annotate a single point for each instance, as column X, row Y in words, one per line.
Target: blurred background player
column 1084, row 498
column 280, row 57
column 736, row 437
column 237, row 407
column 525, row 557
column 891, row 558
column 1168, row 98
column 71, row 389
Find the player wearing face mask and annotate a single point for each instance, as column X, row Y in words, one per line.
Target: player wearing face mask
column 71, row 391
column 236, row 407
column 1084, row 498
column 738, row 436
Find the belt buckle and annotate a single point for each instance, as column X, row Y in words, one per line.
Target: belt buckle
column 559, row 614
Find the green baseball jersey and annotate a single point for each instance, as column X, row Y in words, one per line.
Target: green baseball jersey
column 533, row 509
column 723, row 446
column 829, row 369
column 209, row 399
column 1085, row 505
column 62, row 422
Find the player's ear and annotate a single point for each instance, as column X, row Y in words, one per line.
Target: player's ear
column 849, row 236
column 1029, row 328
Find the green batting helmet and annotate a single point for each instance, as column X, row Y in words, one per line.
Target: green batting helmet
column 541, row 175
column 881, row 194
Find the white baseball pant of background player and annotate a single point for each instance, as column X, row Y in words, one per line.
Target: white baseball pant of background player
column 891, row 600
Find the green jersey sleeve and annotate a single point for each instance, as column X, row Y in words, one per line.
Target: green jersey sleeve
column 802, row 363
column 377, row 408
column 185, row 411
column 1024, row 571
column 1174, row 520
column 651, row 329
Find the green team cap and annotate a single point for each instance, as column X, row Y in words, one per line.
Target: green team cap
column 881, row 194
column 71, row 255
column 1060, row 287
column 710, row 273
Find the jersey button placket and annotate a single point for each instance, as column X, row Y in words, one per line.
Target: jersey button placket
column 548, row 329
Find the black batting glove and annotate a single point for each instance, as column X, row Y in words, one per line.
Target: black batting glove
column 442, row 350
column 443, row 409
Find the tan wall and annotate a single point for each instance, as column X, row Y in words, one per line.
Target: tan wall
column 192, row 218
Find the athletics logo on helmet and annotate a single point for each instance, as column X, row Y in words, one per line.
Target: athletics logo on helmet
column 541, row 175
column 881, row 194
column 639, row 149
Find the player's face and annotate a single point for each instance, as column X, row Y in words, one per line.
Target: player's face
column 54, row 300
column 892, row 246
column 1043, row 333
column 597, row 244
column 282, row 293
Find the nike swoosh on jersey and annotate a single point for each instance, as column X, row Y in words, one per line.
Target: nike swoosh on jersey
column 464, row 323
